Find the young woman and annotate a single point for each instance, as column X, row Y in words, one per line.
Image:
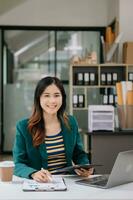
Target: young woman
column 49, row 140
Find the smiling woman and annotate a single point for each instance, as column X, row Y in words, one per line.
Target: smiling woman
column 49, row 139
column 49, row 105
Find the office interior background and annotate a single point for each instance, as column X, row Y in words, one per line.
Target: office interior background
column 39, row 38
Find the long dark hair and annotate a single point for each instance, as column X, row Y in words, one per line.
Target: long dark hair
column 36, row 124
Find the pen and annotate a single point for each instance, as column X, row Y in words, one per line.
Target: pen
column 46, row 172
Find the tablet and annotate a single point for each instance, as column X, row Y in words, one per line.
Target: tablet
column 71, row 168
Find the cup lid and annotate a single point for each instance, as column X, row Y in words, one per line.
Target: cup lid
column 7, row 164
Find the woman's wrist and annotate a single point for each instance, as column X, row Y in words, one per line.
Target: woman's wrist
column 31, row 176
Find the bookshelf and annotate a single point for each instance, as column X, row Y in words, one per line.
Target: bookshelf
column 92, row 92
column 85, row 79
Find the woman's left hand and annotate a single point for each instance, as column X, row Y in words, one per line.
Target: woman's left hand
column 84, row 172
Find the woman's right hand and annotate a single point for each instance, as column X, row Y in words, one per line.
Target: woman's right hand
column 42, row 176
column 84, row 172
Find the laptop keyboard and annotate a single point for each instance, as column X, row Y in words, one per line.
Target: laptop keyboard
column 99, row 180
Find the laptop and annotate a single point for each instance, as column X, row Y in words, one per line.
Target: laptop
column 122, row 173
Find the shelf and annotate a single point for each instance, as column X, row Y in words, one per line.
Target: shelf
column 92, row 86
column 116, row 132
column 85, row 86
column 99, row 91
column 85, row 108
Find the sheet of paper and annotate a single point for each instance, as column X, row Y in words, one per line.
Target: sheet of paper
column 57, row 184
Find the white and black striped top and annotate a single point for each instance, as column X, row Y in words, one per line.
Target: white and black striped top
column 56, row 152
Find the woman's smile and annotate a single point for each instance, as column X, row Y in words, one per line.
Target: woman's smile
column 51, row 99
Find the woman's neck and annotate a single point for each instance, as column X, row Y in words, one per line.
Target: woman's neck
column 49, row 118
column 52, row 124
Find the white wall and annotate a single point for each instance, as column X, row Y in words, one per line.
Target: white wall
column 58, row 13
column 113, row 10
column 72, row 13
column 126, row 19
column 125, row 23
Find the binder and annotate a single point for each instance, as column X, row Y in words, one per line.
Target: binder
column 111, row 99
column 129, row 85
column 86, row 78
column 75, row 100
column 103, row 79
column 79, row 78
column 92, row 78
column 119, row 93
column 114, row 78
column 108, row 35
column 130, row 97
column 109, row 78
column 124, row 91
column 130, row 76
column 105, row 99
column 80, row 100
column 129, row 94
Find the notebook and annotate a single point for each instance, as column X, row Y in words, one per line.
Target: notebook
column 57, row 184
column 122, row 173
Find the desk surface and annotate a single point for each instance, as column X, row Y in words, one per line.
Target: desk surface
column 13, row 191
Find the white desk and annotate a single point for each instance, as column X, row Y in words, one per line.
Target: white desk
column 13, row 191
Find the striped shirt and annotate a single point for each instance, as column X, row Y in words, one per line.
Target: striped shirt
column 56, row 152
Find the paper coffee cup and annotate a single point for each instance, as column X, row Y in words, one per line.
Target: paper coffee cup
column 6, row 170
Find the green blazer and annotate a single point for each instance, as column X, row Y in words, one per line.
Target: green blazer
column 29, row 159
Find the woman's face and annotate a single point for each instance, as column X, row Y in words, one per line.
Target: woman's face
column 51, row 99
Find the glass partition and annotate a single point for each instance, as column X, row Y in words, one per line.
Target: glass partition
column 75, row 43
column 30, row 55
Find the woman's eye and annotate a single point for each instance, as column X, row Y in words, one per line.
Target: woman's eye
column 46, row 95
column 57, row 95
